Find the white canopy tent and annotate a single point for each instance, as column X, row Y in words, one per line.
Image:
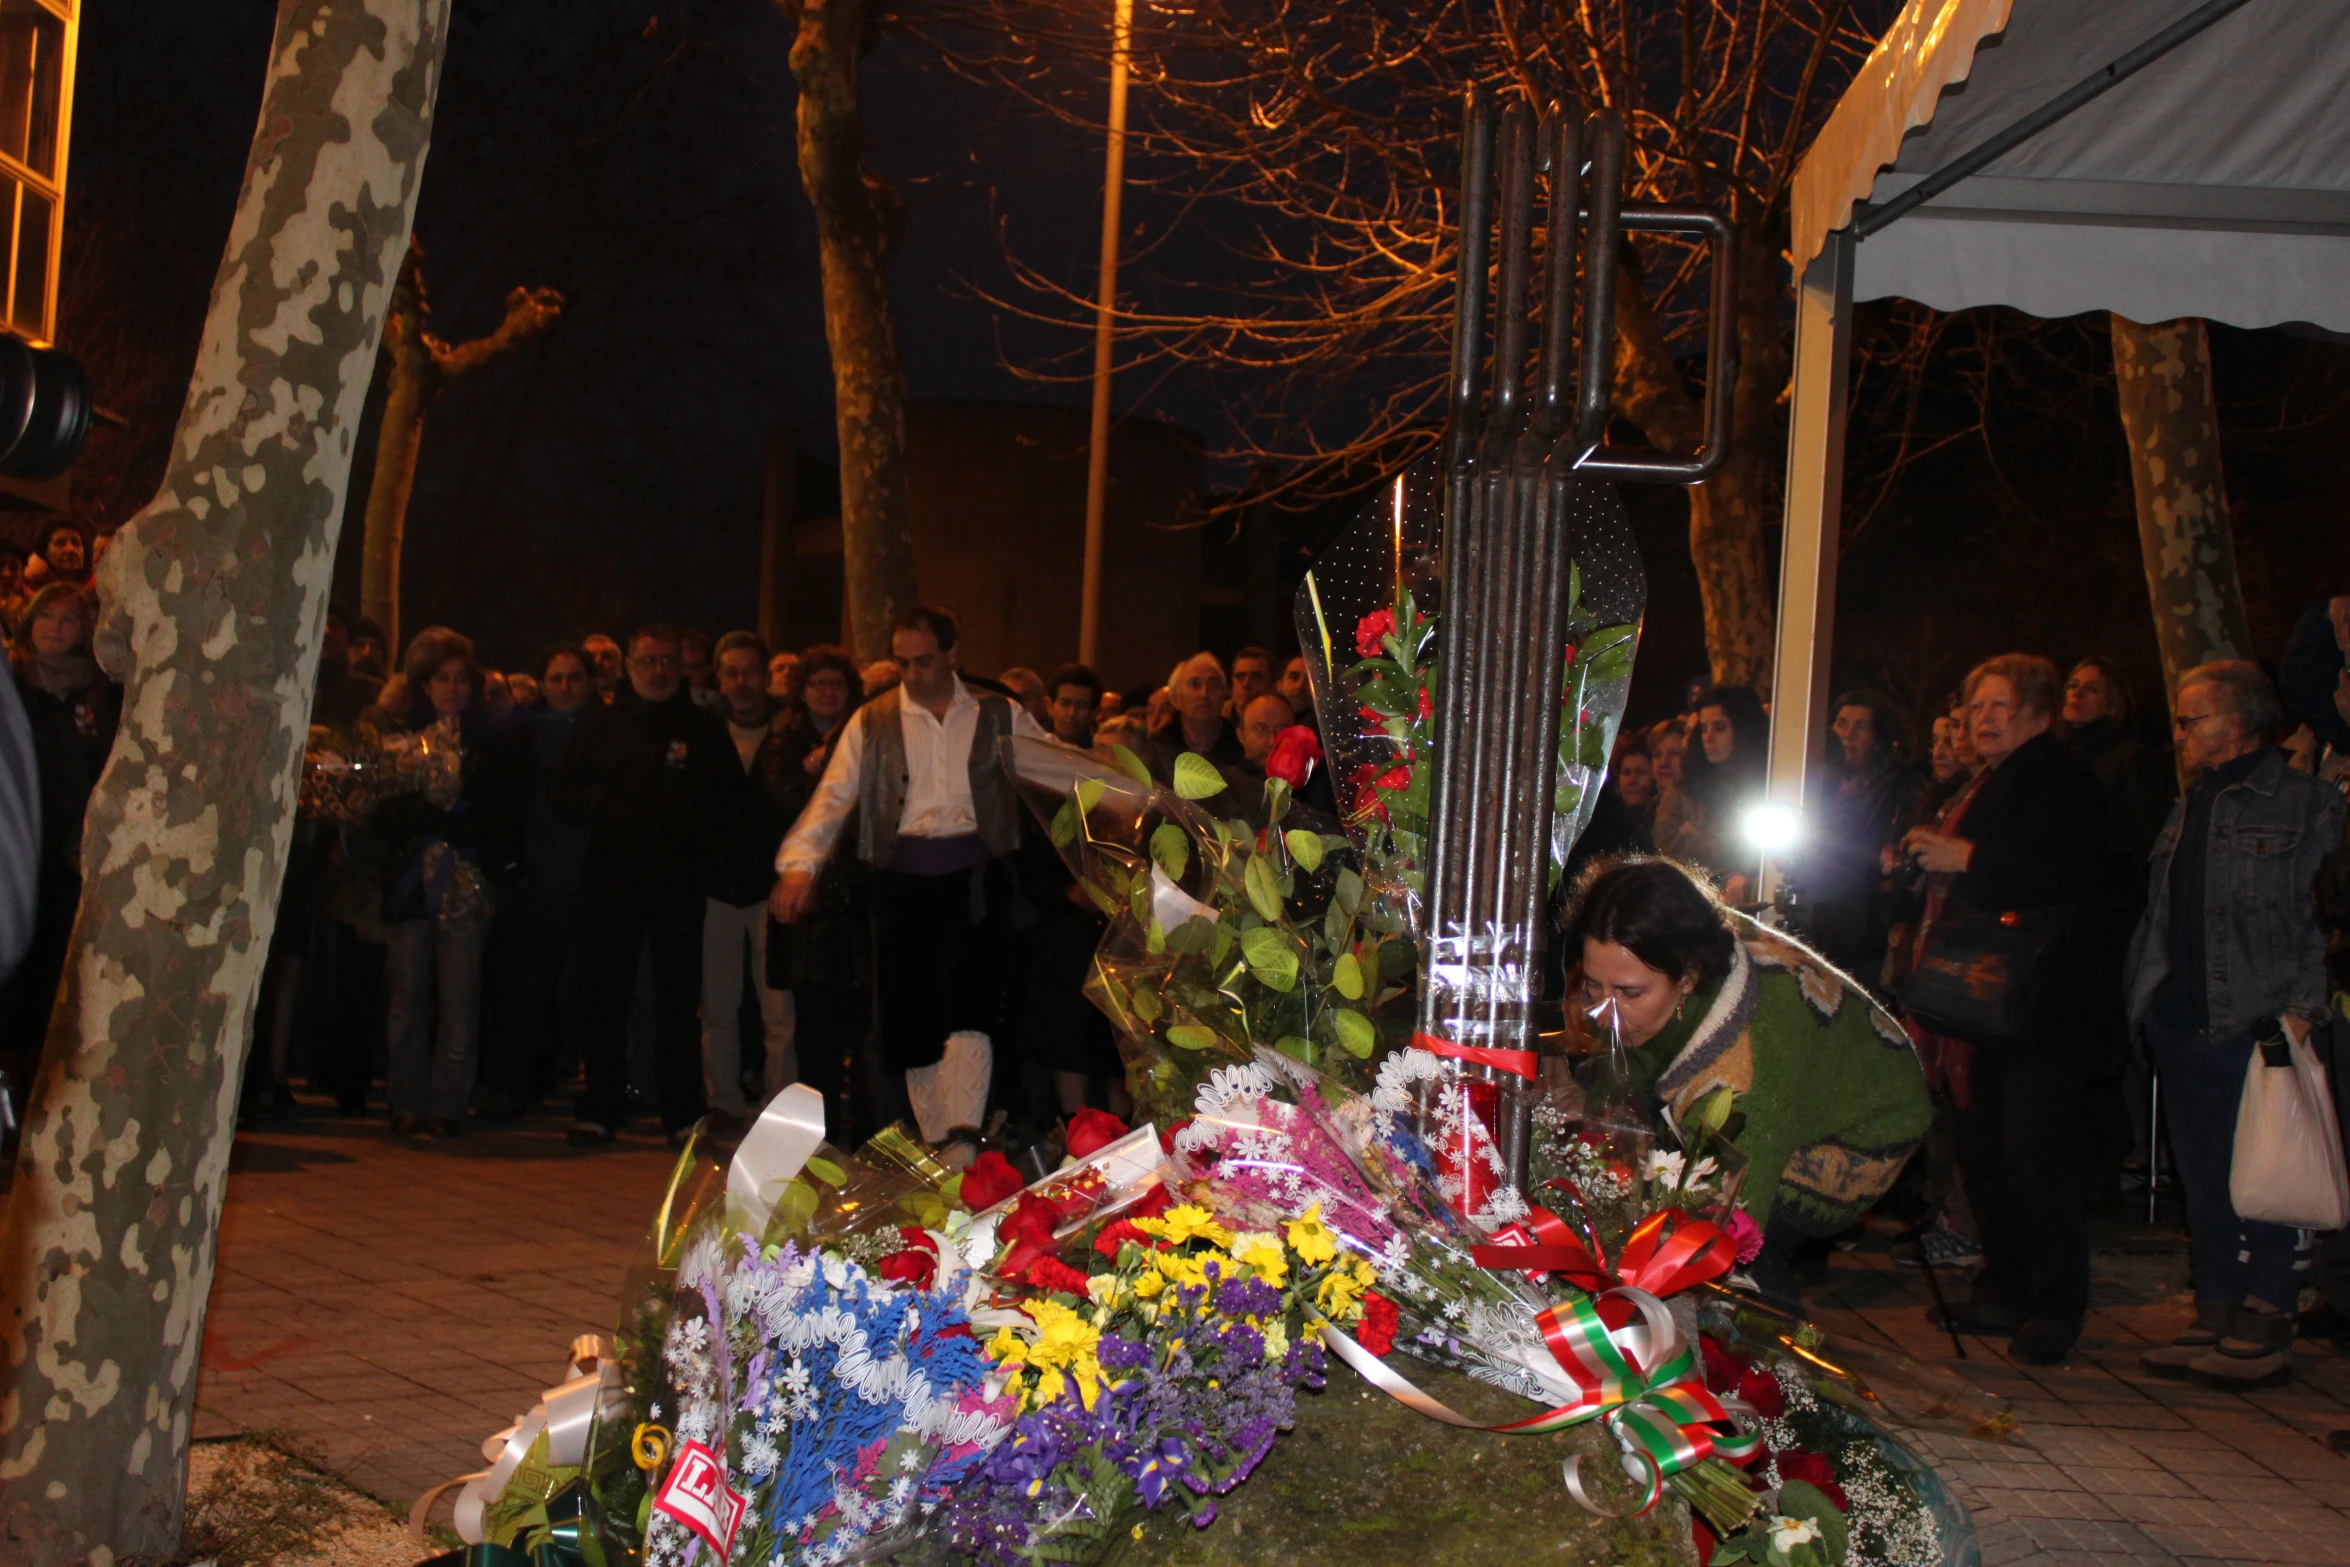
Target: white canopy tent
column 2159, row 158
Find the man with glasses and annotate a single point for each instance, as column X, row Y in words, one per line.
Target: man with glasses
column 656, row 781
column 2228, row 942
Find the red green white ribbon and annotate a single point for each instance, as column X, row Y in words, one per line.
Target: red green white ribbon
column 1642, row 1380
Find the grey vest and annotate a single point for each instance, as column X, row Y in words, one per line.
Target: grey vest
column 881, row 792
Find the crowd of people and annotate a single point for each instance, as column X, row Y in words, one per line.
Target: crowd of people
column 2146, row 934
column 673, row 874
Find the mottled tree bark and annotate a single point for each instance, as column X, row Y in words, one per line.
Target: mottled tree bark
column 216, row 594
column 421, row 367
column 2162, row 375
column 1727, row 513
column 856, row 224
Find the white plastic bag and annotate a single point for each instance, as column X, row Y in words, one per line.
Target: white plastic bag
column 2288, row 1158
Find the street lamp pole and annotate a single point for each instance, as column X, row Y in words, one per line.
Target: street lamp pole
column 1097, row 463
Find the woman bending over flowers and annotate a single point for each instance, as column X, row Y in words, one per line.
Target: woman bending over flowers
column 1833, row 1098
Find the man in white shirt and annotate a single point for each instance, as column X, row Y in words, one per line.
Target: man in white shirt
column 921, row 766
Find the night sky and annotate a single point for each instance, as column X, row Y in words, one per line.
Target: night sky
column 638, row 157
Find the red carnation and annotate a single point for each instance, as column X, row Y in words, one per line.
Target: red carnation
column 1376, row 1332
column 1118, row 1234
column 1372, row 630
column 1053, row 1276
column 1092, row 1130
column 1295, row 751
column 1427, row 708
column 989, row 1181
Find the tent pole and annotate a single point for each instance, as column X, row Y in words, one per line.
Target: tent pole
column 1808, row 542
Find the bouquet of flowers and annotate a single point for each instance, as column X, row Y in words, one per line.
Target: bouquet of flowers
column 347, row 773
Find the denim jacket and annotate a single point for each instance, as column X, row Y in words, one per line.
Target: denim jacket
column 2266, row 954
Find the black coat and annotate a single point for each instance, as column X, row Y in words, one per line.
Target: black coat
column 484, row 824
column 658, row 785
column 2038, row 827
column 778, row 787
column 72, row 735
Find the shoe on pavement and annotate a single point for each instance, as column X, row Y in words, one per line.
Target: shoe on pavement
column 1983, row 1319
column 2201, row 1337
column 590, row 1134
column 2040, row 1342
column 2256, row 1351
column 1943, row 1246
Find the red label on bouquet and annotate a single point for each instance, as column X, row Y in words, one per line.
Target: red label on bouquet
column 697, row 1495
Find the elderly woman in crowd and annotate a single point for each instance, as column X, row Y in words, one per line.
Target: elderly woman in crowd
column 1707, row 998
column 2027, row 839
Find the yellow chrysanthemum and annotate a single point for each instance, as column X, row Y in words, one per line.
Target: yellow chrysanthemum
column 1149, row 1282
column 1340, row 1295
column 1276, row 1339
column 1066, row 1346
column 1262, row 1253
column 1007, row 1348
column 1185, row 1222
column 1311, row 1239
column 1181, row 1271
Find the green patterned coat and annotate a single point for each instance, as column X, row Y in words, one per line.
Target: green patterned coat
column 1830, row 1085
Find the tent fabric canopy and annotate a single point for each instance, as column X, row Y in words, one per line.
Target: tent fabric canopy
column 2215, row 182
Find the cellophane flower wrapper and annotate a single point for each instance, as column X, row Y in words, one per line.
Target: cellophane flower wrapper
column 347, row 773
column 1234, row 918
column 1036, row 1240
column 1365, row 619
column 841, row 1405
column 1832, row 1437
column 1265, row 1138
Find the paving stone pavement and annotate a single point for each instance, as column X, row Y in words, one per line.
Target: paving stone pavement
column 385, row 1304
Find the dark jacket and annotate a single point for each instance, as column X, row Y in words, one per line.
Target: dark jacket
column 554, row 851
column 340, row 696
column 2306, row 679
column 778, row 786
column 2038, row 827
column 2139, row 782
column 2263, row 951
column 1864, row 810
column 657, row 784
column 72, row 735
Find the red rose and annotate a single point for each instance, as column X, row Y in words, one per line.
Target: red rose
column 1810, row 1468
column 1118, row 1234
column 1053, row 1276
column 913, row 1266
column 1373, row 629
column 1376, row 1332
column 1156, row 1202
column 989, row 1181
column 1031, row 1218
column 1762, row 1390
column 1295, row 751
column 1091, row 1130
column 1722, row 1368
column 1398, row 777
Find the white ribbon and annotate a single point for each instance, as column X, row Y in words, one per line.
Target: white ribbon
column 773, row 1153
column 567, row 1414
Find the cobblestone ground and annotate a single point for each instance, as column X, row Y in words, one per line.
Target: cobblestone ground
column 385, row 1304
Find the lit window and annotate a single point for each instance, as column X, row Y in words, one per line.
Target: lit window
column 37, row 40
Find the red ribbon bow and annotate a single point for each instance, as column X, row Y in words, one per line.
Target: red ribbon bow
column 1667, row 1252
column 1521, row 1063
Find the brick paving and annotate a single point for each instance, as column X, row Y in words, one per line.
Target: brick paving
column 384, row 1305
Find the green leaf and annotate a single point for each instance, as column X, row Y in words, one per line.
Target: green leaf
column 1154, row 935
column 1800, row 1500
column 1103, row 898
column 1714, row 1109
column 1220, row 947
column 1355, row 1033
column 1196, row 777
column 1147, row 1006
column 1138, row 898
column 1276, row 799
column 1171, row 847
column 1349, row 895
column 1300, row 1049
column 1064, row 828
column 826, row 1171
column 1130, row 765
column 1089, row 794
column 1270, row 957
column 1347, row 977
column 797, row 1205
column 1264, row 887
column 1191, row 1036
column 1304, row 847
column 1193, row 935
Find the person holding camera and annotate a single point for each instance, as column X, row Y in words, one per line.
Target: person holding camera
column 2227, row 943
